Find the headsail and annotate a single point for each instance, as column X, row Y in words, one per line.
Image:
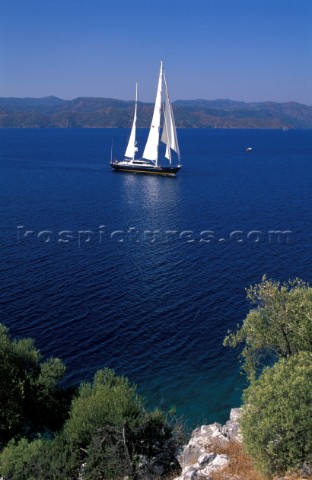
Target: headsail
column 169, row 134
column 132, row 148
column 151, row 147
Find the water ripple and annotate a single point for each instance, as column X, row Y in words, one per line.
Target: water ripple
column 153, row 306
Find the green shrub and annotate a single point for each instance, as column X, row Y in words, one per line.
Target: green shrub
column 277, row 415
column 19, row 460
column 40, row 460
column 109, row 400
column 109, row 423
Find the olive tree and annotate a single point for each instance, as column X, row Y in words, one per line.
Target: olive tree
column 279, row 324
column 276, row 341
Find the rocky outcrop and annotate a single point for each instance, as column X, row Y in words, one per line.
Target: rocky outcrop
column 197, row 458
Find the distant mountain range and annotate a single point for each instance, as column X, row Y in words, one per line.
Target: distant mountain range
column 89, row 112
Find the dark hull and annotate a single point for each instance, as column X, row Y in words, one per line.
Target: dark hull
column 152, row 170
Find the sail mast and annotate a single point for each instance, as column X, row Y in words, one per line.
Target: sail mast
column 132, row 148
column 151, row 147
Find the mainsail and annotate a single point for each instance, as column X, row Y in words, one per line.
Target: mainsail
column 132, row 148
column 151, row 147
column 169, row 134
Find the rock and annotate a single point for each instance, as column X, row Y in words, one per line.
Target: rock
column 163, row 463
column 189, row 475
column 190, row 454
column 232, row 429
column 306, row 470
column 197, row 458
column 219, row 461
column 206, row 458
column 199, row 442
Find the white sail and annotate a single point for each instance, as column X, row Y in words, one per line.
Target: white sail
column 169, row 134
column 167, row 131
column 151, row 147
column 132, row 148
column 148, row 163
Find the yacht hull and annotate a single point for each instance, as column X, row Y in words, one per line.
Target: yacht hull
column 150, row 169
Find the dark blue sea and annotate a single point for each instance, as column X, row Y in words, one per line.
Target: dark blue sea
column 146, row 274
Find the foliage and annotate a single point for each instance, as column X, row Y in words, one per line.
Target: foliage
column 277, row 416
column 109, row 422
column 279, row 326
column 40, row 459
column 108, row 435
column 277, row 354
column 30, row 398
column 109, row 400
column 19, row 459
column 146, row 449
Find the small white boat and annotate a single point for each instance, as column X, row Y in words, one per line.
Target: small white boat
column 249, row 149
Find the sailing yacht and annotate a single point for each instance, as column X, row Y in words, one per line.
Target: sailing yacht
column 150, row 162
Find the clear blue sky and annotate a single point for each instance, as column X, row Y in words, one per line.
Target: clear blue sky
column 250, row 50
